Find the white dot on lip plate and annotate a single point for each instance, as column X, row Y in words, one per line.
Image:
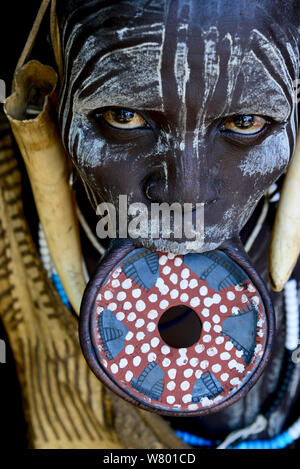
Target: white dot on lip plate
column 136, row 293
column 174, row 294
column 137, row 360
column 216, row 298
column 199, row 348
column 129, row 349
column 172, row 373
column 127, row 284
column 230, row 295
column 188, row 373
column 154, row 342
column 115, row 283
column 152, row 314
column 193, row 283
column 195, row 301
column 139, row 323
column 184, row 284
column 114, row 368
column 171, row 385
column 163, row 304
column 108, row 295
column 185, row 385
column 131, row 317
column 166, row 362
column 152, row 298
column 187, row 398
column 145, row 348
column 194, row 361
column 170, row 399
column 234, row 381
column 177, row 261
column 174, row 278
column 163, row 260
column 128, row 376
column 216, row 318
column 140, row 335
column 204, row 364
column 121, row 296
column 207, row 338
column 244, row 299
column 225, row 356
column 129, row 335
column 224, row 376
column 216, row 368
column 193, row 406
column 203, row 290
column 228, row 345
column 140, row 305
column 123, row 363
column 205, row 312
column 223, row 309
column 165, row 350
column 112, row 306
column 166, row 270
column 208, row 302
column 151, row 326
column 151, row 357
column 212, row 351
column 120, row 315
column 184, row 297
column 219, row 340
column 127, row 305
column 185, row 273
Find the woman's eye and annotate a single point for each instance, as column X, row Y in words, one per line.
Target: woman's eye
column 245, row 124
column 124, row 119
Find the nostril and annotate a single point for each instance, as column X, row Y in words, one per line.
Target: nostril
column 155, row 189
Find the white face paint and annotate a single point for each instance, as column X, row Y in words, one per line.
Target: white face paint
column 193, row 84
column 274, row 152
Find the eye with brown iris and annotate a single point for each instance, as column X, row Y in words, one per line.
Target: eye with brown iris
column 124, row 119
column 245, row 124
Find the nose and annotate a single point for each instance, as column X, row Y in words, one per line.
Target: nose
column 181, row 181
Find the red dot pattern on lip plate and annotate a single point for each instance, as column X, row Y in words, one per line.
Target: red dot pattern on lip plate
column 140, row 310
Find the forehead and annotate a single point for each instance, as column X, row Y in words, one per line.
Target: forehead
column 219, row 56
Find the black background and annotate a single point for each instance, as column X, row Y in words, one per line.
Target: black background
column 16, row 21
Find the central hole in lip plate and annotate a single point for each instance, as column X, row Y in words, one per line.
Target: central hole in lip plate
column 180, row 326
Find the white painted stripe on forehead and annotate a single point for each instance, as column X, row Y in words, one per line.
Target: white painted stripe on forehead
column 234, row 66
column 121, row 88
column 159, row 65
column 269, row 98
column 273, row 53
column 211, row 67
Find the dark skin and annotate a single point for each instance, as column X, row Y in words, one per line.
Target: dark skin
column 185, row 102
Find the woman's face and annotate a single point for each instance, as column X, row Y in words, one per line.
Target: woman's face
column 180, row 101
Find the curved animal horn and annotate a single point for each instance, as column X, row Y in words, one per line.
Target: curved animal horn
column 285, row 241
column 29, row 110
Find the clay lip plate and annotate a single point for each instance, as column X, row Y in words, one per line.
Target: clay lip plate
column 124, row 369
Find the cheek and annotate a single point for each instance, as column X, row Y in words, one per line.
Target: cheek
column 269, row 159
column 110, row 167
